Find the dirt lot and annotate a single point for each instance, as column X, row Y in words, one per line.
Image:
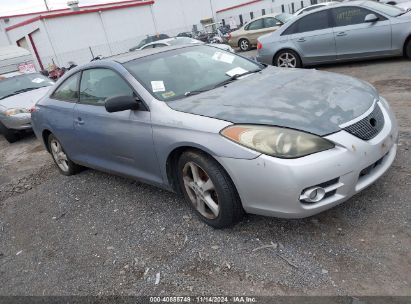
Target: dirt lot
column 95, row 233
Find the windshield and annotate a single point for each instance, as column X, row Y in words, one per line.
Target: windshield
column 390, row 10
column 283, row 18
column 171, row 75
column 21, row 83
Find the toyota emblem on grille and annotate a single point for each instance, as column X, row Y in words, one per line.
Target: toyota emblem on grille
column 373, row 122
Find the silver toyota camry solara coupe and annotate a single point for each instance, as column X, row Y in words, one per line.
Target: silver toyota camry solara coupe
column 231, row 135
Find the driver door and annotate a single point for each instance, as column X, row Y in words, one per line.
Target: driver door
column 120, row 142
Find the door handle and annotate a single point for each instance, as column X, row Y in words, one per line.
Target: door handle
column 340, row 34
column 301, row 40
column 79, row 121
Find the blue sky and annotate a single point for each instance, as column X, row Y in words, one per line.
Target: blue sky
column 13, row 7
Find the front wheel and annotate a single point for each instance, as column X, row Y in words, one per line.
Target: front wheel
column 63, row 162
column 209, row 190
column 408, row 49
column 287, row 59
column 10, row 135
column 244, row 45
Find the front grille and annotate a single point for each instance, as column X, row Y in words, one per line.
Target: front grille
column 368, row 127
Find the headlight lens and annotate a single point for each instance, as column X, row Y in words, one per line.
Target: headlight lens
column 276, row 141
column 11, row 112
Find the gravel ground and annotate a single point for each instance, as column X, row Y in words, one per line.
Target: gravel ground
column 99, row 234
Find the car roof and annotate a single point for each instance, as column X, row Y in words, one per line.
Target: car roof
column 334, row 5
column 126, row 57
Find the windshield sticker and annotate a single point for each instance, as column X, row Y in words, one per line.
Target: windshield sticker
column 37, row 80
column 158, row 86
column 223, row 57
column 236, row 71
column 168, row 94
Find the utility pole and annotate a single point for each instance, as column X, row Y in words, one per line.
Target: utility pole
column 212, row 11
column 45, row 3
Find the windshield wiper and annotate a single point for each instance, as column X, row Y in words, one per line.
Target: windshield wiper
column 223, row 83
column 20, row 91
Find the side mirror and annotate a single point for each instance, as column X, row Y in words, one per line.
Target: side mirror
column 371, row 18
column 121, row 103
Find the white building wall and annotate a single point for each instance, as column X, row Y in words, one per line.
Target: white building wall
column 71, row 37
column 173, row 17
column 270, row 6
column 126, row 27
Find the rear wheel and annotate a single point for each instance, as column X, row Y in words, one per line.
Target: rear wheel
column 209, row 190
column 244, row 45
column 287, row 59
column 10, row 135
column 408, row 49
column 63, row 162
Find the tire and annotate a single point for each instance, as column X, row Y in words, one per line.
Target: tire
column 220, row 196
column 408, row 49
column 63, row 162
column 244, row 45
column 10, row 135
column 287, row 59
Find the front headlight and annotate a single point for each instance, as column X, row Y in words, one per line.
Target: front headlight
column 11, row 112
column 276, row 141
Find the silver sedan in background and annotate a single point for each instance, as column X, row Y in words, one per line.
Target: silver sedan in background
column 18, row 93
column 340, row 32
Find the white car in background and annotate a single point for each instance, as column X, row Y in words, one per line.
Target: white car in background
column 18, row 94
column 313, row 7
column 181, row 41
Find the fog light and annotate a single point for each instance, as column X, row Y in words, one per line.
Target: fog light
column 314, row 194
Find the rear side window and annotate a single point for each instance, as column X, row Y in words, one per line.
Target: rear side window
column 255, row 25
column 150, row 46
column 68, row 90
column 344, row 16
column 99, row 84
column 270, row 22
column 312, row 22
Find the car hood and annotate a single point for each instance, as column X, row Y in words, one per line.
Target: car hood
column 25, row 99
column 308, row 100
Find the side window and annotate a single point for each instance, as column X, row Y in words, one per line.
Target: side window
column 158, row 45
column 68, row 90
column 99, row 84
column 150, row 46
column 255, row 25
column 313, row 22
column 291, row 29
column 344, row 16
column 270, row 22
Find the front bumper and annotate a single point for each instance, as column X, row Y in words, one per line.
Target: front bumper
column 273, row 187
column 20, row 121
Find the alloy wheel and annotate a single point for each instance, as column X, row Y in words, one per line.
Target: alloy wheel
column 287, row 60
column 201, row 190
column 244, row 45
column 59, row 155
